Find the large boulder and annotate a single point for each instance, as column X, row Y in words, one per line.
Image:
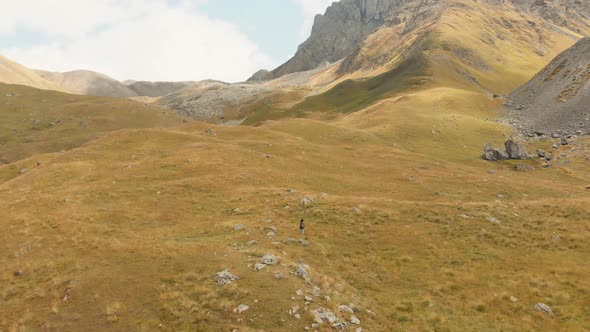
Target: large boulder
column 516, row 150
column 492, row 154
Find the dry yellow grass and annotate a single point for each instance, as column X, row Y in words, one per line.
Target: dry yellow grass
column 127, row 231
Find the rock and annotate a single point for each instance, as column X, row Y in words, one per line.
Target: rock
column 236, row 211
column 492, row 154
column 239, row 227
column 542, row 307
column 493, row 220
column 354, row 320
column 302, row 271
column 523, row 168
column 270, row 259
column 18, row 273
column 340, row 325
column 297, row 316
column 345, row 309
column 293, row 310
column 555, row 135
column 24, row 170
column 515, row 150
column 299, row 292
column 308, row 298
column 279, row 276
column 513, row 299
column 306, row 201
column 356, row 210
column 564, row 141
column 271, row 234
column 210, row 132
column 252, row 243
column 322, row 315
column 241, row 308
column 555, row 146
column 259, row 266
column 225, row 277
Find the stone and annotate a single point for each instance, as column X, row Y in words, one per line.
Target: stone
column 302, row 271
column 322, row 315
column 308, row 298
column 293, row 310
column 271, row 234
column 564, row 141
column 306, row 201
column 345, row 309
column 542, row 307
column 513, row 299
column 340, row 325
column 24, row 170
column 259, row 266
column 239, row 227
column 492, row 154
column 515, row 150
column 270, row 259
column 241, row 308
column 225, row 277
column 279, row 276
column 493, row 220
column 354, row 320
column 356, row 210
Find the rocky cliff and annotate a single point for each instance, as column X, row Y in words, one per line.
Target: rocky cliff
column 341, row 31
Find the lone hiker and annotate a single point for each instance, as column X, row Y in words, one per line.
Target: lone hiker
column 302, row 227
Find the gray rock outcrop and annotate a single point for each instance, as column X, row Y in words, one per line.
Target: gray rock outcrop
column 515, row 150
column 492, row 154
column 224, row 278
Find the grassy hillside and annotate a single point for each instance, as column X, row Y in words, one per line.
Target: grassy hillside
column 34, row 121
column 127, row 233
column 14, row 73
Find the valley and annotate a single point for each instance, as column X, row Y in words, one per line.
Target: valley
column 119, row 214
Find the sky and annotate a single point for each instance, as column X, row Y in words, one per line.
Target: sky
column 156, row 40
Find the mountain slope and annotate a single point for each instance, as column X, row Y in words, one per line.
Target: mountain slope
column 557, row 99
column 34, row 122
column 347, row 23
column 85, row 82
column 14, row 73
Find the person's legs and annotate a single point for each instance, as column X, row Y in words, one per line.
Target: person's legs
column 302, row 230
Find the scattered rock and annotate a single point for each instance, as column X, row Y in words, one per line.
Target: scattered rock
column 302, row 271
column 299, row 292
column 308, row 299
column 564, row 141
column 259, row 266
column 515, row 150
column 225, row 277
column 279, row 276
column 513, row 299
column 24, row 170
column 542, row 307
column 306, row 201
column 322, row 315
column 297, row 316
column 355, row 320
column 293, row 310
column 493, row 220
column 239, row 227
column 252, row 243
column 271, row 234
column 270, row 259
column 345, row 309
column 492, row 154
column 340, row 325
column 241, row 308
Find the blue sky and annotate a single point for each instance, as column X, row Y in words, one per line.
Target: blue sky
column 156, row 39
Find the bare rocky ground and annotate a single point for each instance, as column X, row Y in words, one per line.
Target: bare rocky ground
column 556, row 102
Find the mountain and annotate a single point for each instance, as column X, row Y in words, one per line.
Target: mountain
column 86, row 82
column 157, row 89
column 14, row 73
column 557, row 99
column 363, row 52
column 346, row 25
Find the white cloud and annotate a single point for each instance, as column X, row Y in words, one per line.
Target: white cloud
column 131, row 39
column 310, row 9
